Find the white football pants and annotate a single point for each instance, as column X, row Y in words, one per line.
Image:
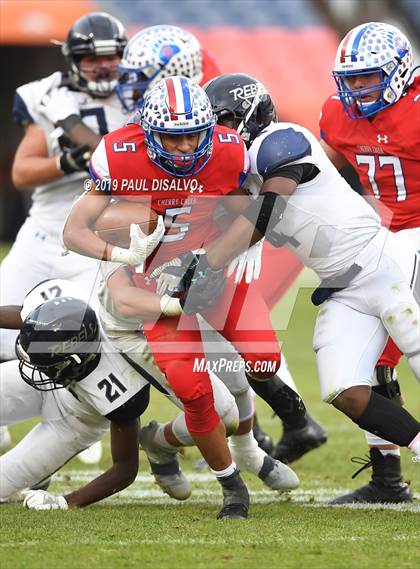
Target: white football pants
column 352, row 326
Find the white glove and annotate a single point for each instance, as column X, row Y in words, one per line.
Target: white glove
column 141, row 245
column 58, row 104
column 42, row 500
column 251, row 260
column 165, row 279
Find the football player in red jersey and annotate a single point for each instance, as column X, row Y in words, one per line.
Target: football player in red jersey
column 162, row 51
column 373, row 125
column 159, row 52
column 182, row 164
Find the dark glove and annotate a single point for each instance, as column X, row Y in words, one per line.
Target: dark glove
column 202, row 284
column 75, row 159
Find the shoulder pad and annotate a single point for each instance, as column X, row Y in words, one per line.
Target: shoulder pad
column 20, row 112
column 281, row 147
column 28, row 97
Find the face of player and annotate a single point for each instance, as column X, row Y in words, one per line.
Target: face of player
column 99, row 67
column 178, row 144
column 364, row 81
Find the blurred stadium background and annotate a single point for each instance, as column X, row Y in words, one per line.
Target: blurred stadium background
column 289, row 44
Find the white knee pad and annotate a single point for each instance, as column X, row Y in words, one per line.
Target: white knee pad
column 402, row 323
column 228, row 413
column 245, row 404
column 225, row 406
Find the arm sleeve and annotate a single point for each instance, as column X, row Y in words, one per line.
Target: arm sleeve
column 352, row 178
column 300, row 173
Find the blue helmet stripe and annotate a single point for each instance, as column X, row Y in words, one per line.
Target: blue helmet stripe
column 187, row 98
column 356, row 42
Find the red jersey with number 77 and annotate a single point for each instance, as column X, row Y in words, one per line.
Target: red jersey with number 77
column 385, row 151
column 122, row 168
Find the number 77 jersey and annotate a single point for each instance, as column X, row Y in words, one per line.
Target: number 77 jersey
column 385, row 151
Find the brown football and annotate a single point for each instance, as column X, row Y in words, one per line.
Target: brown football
column 113, row 225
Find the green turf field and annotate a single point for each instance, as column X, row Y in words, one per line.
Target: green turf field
column 143, row 528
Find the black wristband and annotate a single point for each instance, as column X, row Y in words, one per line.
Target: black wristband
column 265, row 211
column 69, row 123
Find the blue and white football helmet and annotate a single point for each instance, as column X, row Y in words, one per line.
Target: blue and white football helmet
column 178, row 106
column 153, row 54
column 370, row 48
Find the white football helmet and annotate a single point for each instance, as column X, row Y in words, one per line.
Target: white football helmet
column 374, row 47
column 153, row 54
column 178, row 106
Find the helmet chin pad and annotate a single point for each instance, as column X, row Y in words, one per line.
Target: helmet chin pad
column 102, row 88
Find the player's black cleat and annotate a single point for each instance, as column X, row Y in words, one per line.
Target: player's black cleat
column 264, row 441
column 297, row 442
column 385, row 486
column 235, row 498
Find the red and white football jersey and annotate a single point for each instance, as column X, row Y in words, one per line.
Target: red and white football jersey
column 385, row 151
column 121, row 167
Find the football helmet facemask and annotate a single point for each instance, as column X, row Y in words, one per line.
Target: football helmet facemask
column 153, row 54
column 372, row 48
column 177, row 106
column 58, row 344
column 242, row 103
column 97, row 34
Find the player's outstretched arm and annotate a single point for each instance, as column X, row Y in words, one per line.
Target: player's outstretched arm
column 135, row 302
column 125, row 457
column 10, row 317
column 253, row 223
